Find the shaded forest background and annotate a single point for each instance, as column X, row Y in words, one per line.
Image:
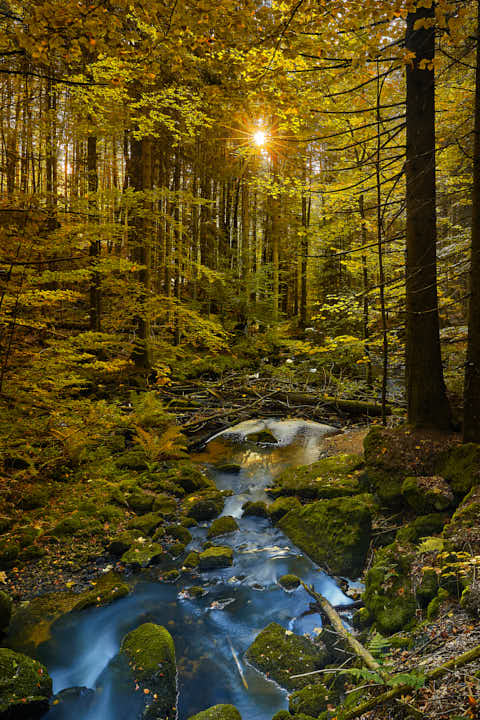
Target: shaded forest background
column 150, row 235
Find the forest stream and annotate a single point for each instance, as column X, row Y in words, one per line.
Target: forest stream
column 212, row 630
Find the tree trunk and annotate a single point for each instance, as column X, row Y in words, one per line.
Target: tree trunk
column 471, row 421
column 94, row 247
column 426, row 395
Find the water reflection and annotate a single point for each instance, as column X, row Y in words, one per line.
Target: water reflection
column 238, row 601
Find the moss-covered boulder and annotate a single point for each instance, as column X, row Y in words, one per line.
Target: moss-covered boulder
column 192, row 560
column 281, row 506
column 77, row 523
column 222, row 526
column 327, row 478
column 106, row 591
column 262, row 437
column 463, row 530
column 281, row 654
column 204, row 505
column 146, row 524
column 164, row 504
column 190, row 477
column 334, row 533
column 122, row 542
column 422, row 526
column 9, row 552
column 470, row 600
column 150, row 653
column 179, row 532
column 255, row 508
column 142, row 553
column 140, row 501
column 388, row 592
column 289, row 582
column 310, row 700
column 5, row 611
column 25, row 686
column 217, row 556
column 460, row 466
column 427, row 494
column 230, row 468
column 218, row 712
column 427, row 587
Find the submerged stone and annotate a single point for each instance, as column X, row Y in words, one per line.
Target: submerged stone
column 218, row 712
column 334, row 533
column 217, row 556
column 327, row 478
column 289, row 582
column 281, row 654
column 222, row 526
column 25, row 686
column 150, row 653
column 264, row 436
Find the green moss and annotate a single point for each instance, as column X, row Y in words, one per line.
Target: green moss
column 289, row 582
column 150, row 652
column 190, row 478
column 434, row 605
column 282, row 715
column 218, row 712
column 170, row 576
column 460, row 467
column 25, row 686
column 281, row 506
column 334, row 533
column 311, row 700
column 264, row 436
column 140, row 501
column 222, row 526
column 216, row 557
column 462, row 531
column 109, row 589
column 176, row 549
column 362, row 618
column 142, row 554
column 470, row 600
column 192, row 560
column 146, row 524
column 5, row 610
column 330, row 477
column 9, row 552
column 164, row 504
column 179, row 533
column 423, row 526
column 427, row 494
column 204, row 505
column 255, row 509
column 132, row 460
column 282, row 654
column 388, row 591
column 187, row 522
column 196, row 591
column 427, row 588
column 122, row 542
column 76, row 524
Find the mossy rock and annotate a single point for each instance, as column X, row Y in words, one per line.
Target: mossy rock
column 5, row 611
column 27, row 535
column 255, row 509
column 170, row 576
column 5, row 523
column 289, row 582
column 36, row 496
column 78, row 524
column 150, row 653
column 25, row 686
column 179, row 533
column 164, row 504
column 142, row 554
column 282, row 654
column 218, row 712
column 132, row 460
column 310, row 700
column 190, row 478
column 327, row 478
column 463, row 530
column 175, row 549
column 9, row 552
column 187, row 522
column 427, row 494
column 122, row 542
column 141, row 501
column 192, row 560
column 32, row 552
column 434, row 605
column 362, row 618
column 388, row 592
column 146, row 524
column 422, row 526
column 217, row 556
column 281, row 506
column 222, row 526
column 470, row 600
column 460, row 466
column 204, row 505
column 262, row 437
column 334, row 533
column 196, row 591
column 282, row 715
column 32, row 621
column 428, row 587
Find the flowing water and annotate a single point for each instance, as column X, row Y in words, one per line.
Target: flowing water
column 238, row 601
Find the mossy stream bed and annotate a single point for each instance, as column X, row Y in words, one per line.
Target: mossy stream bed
column 234, row 605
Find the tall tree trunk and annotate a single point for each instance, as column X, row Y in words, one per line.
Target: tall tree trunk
column 471, row 420
column 426, row 395
column 94, row 247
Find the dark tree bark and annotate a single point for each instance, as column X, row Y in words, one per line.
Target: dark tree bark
column 94, row 247
column 426, row 394
column 471, row 422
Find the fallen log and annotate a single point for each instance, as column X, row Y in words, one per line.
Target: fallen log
column 352, row 407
